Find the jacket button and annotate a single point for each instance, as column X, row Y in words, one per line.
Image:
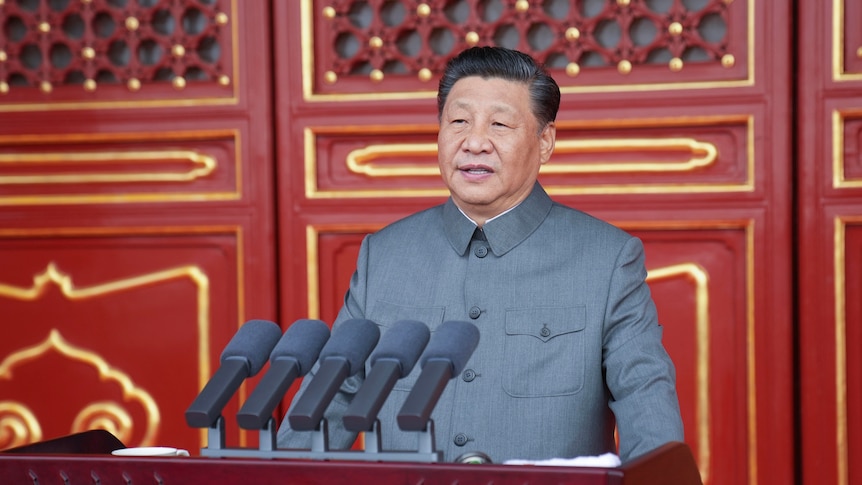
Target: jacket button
column 468, row 375
column 460, row 439
column 545, row 332
column 475, row 312
column 481, row 251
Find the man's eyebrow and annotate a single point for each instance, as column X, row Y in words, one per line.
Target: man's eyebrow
column 497, row 107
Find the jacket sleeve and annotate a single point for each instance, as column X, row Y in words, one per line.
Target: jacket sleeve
column 639, row 372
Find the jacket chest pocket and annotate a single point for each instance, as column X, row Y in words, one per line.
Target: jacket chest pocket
column 544, row 351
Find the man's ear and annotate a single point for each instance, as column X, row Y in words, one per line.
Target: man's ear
column 547, row 139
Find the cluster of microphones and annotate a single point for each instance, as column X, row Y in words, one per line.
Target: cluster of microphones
column 339, row 354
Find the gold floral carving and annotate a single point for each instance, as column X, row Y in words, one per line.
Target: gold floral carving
column 18, row 425
column 111, row 416
column 56, row 342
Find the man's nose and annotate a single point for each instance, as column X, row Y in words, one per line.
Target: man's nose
column 477, row 140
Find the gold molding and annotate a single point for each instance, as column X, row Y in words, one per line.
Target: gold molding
column 691, row 270
column 308, row 94
column 205, row 166
column 699, row 276
column 839, row 180
column 55, row 341
column 131, row 102
column 751, row 352
column 842, row 435
column 702, row 154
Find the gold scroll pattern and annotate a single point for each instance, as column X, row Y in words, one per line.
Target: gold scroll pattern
column 106, row 415
column 51, row 174
column 203, row 166
column 19, row 422
column 701, row 154
column 18, row 425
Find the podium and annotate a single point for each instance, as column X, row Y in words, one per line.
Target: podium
column 84, row 458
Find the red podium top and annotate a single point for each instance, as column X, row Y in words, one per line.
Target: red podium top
column 55, row 463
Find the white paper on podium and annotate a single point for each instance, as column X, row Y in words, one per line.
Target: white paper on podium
column 608, row 460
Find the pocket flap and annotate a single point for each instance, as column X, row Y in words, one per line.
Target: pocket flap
column 545, row 323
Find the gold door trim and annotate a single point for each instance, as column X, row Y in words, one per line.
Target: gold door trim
column 697, row 274
column 204, row 165
column 839, row 179
column 842, row 436
column 839, row 74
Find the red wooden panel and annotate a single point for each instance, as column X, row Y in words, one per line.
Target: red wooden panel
column 697, row 278
column 364, row 48
column 148, row 166
column 830, row 178
column 848, row 124
column 848, row 15
column 117, row 55
column 118, row 330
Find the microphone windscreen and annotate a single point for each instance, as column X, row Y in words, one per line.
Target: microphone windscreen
column 403, row 343
column 454, row 341
column 352, row 340
column 252, row 342
column 302, row 342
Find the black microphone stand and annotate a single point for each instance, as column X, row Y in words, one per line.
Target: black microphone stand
column 267, row 448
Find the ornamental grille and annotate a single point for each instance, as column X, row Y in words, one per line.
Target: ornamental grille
column 91, row 43
column 377, row 40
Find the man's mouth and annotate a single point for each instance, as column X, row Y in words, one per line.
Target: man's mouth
column 476, row 170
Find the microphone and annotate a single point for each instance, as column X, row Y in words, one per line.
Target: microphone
column 446, row 355
column 242, row 357
column 342, row 356
column 392, row 359
column 292, row 357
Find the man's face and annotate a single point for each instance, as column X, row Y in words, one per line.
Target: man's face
column 489, row 147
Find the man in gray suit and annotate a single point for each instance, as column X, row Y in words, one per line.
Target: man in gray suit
column 570, row 344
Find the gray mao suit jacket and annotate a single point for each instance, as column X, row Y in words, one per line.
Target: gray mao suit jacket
column 570, row 345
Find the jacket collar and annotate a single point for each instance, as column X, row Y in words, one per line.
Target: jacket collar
column 503, row 233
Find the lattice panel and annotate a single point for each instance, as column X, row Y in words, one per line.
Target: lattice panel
column 360, row 44
column 63, row 47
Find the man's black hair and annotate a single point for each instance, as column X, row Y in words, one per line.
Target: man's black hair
column 499, row 62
